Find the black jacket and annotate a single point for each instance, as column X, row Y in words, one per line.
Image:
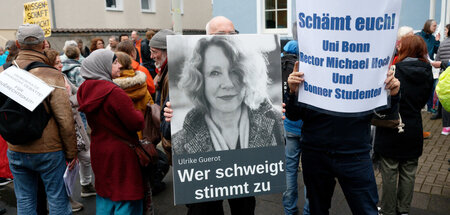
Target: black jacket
column 416, row 84
column 147, row 62
column 329, row 133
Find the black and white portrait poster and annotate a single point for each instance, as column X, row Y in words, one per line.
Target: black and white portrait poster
column 227, row 131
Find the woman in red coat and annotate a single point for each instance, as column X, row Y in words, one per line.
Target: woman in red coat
column 114, row 123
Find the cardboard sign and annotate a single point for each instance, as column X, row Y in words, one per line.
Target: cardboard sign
column 23, row 87
column 37, row 13
column 211, row 79
column 345, row 48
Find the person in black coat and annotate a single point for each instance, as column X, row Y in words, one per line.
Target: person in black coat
column 336, row 147
column 399, row 151
column 148, row 62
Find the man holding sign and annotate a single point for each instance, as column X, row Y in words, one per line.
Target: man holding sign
column 342, row 79
column 44, row 157
column 336, row 147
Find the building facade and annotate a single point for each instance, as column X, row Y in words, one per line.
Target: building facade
column 89, row 18
column 277, row 16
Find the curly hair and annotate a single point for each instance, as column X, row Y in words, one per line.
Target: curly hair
column 249, row 66
column 94, row 43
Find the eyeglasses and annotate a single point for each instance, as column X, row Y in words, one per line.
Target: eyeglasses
column 226, row 33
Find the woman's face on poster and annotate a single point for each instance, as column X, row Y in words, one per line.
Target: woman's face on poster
column 222, row 88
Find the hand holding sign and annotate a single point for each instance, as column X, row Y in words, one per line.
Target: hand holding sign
column 392, row 83
column 345, row 54
column 295, row 79
column 168, row 112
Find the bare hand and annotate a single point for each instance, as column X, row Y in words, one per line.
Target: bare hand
column 392, row 83
column 72, row 163
column 438, row 36
column 436, row 64
column 168, row 112
column 295, row 79
column 283, row 111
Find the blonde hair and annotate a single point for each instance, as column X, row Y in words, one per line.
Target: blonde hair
column 403, row 31
column 249, row 65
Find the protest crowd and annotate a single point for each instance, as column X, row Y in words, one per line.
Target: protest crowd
column 110, row 109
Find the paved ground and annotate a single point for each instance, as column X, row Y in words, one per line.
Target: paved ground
column 431, row 196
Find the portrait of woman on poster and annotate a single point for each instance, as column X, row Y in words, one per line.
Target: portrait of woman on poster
column 232, row 109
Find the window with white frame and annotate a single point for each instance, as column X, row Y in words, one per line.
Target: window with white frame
column 114, row 5
column 148, row 6
column 181, row 6
column 276, row 16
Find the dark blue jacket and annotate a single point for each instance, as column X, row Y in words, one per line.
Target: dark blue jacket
column 332, row 134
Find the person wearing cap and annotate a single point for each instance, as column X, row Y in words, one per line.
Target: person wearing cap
column 45, row 157
column 158, row 51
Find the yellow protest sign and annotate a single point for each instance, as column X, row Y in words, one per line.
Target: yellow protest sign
column 37, row 13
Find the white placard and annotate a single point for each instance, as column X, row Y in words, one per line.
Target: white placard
column 23, row 87
column 345, row 48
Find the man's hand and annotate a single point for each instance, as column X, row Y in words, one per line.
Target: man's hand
column 168, row 112
column 72, row 163
column 295, row 79
column 392, row 83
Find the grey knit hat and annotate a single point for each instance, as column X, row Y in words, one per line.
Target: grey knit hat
column 159, row 41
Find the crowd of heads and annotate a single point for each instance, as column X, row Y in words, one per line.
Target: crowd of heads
column 216, row 62
column 75, row 49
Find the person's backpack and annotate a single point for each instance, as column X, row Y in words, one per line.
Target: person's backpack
column 287, row 65
column 19, row 125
